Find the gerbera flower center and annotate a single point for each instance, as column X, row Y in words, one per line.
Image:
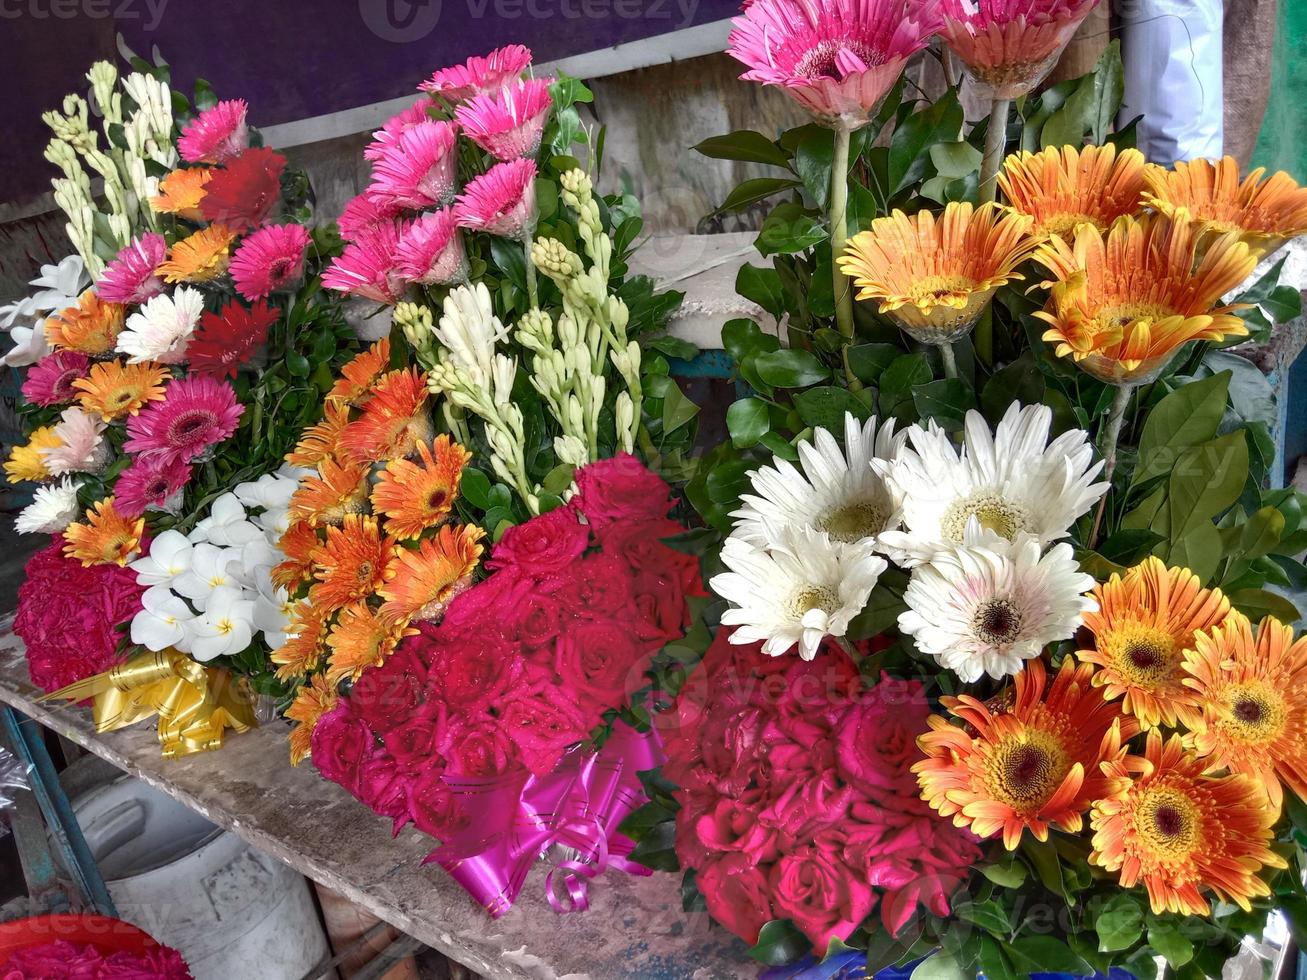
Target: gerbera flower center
column 812, row 597
column 836, row 58
column 1143, row 655
column 1257, row 713
column 1120, row 317
column 279, row 271
column 1005, row 518
column 1167, row 822
column 854, row 521
column 951, row 291
column 997, row 620
column 437, row 499
column 1025, row 770
column 190, row 427
column 1065, row 222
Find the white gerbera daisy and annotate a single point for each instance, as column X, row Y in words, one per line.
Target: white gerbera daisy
column 803, row 588
column 995, row 488
column 837, row 493
column 162, row 328
column 979, row 611
column 52, row 509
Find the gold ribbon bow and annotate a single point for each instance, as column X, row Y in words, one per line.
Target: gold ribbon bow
column 195, row 704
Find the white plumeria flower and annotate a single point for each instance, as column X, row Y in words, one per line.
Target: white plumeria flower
column 165, row 620
column 268, row 491
column 162, row 328
column 273, row 609
column 226, row 524
column 57, row 287
column 29, row 347
column 211, row 569
column 979, row 611
column 273, row 522
column 837, row 493
column 802, row 589
column 225, row 627
column 169, row 557
column 258, row 556
column 52, row 509
column 996, row 487
column 469, row 330
column 295, row 474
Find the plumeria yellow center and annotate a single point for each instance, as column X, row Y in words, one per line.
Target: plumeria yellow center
column 224, row 626
column 1257, row 712
column 1168, row 823
column 812, row 597
column 854, row 521
column 1025, row 770
column 1004, row 517
column 1143, row 655
column 997, row 620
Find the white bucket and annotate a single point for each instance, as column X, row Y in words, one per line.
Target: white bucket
column 230, row 910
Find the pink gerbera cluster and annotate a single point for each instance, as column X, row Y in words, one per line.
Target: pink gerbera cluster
column 367, row 267
column 1009, row 46
column 132, row 277
column 217, row 134
column 395, row 127
column 50, row 380
column 479, row 75
column 502, row 201
column 195, row 413
column 417, row 170
column 152, row 482
column 508, row 124
column 431, row 250
column 268, row 260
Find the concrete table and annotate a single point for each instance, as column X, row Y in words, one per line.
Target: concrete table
column 634, row 928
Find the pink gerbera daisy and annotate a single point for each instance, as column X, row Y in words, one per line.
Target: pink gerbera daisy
column 195, row 413
column 367, row 267
column 50, row 380
column 362, row 214
column 216, row 135
column 131, row 278
column 431, row 250
column 394, row 128
column 502, row 201
column 1009, row 46
column 268, row 260
column 478, row 75
column 152, row 482
column 417, row 170
column 509, row 122
column 836, row 58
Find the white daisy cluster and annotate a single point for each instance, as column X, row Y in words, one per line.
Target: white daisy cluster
column 977, row 525
column 209, row 592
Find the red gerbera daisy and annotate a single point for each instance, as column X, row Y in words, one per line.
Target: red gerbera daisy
column 241, row 194
column 226, row 340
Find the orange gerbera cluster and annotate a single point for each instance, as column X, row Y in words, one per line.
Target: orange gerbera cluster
column 370, row 550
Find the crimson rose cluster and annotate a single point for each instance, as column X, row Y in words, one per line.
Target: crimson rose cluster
column 523, row 665
column 797, row 796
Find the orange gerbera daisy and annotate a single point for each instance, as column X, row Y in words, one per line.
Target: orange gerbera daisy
column 1253, row 693
column 338, row 490
column 1063, row 186
column 312, row 701
column 933, row 276
column 1181, row 832
column 321, row 441
column 27, row 462
column 1122, row 304
column 91, row 327
column 394, row 419
column 1030, row 766
column 114, row 389
column 1264, row 213
column 1144, row 624
column 358, row 376
column 416, row 496
column 428, row 577
column 298, row 544
column 181, row 192
column 362, row 637
column 201, row 257
column 107, row 537
column 353, row 563
column 303, row 649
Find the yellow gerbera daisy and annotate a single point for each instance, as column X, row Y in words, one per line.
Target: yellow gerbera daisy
column 113, row 389
column 27, row 462
column 1063, row 186
column 181, row 192
column 200, row 257
column 107, row 537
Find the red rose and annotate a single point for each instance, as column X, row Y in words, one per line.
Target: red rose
column 484, row 603
column 473, row 669
column 620, row 489
column 732, row 825
column 544, row 544
column 542, row 725
column 382, row 787
column 601, row 659
column 537, row 620
column 478, row 748
column 414, row 743
column 737, row 895
column 433, row 808
column 820, row 894
column 876, row 738
column 339, row 743
column 597, row 585
column 389, row 695
column 661, row 608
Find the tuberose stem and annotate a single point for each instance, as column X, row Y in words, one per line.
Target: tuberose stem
column 531, row 293
column 839, row 231
column 1111, row 435
column 950, row 360
column 995, row 144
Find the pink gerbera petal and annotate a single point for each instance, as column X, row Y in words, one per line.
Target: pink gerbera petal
column 196, row 412
column 1009, row 46
column 502, row 201
column 363, row 213
column 152, row 482
column 130, row 278
column 509, row 122
column 50, row 380
column 478, row 75
column 395, row 127
column 268, row 260
column 216, row 135
column 367, row 267
column 417, row 170
column 836, row 58
column 431, row 250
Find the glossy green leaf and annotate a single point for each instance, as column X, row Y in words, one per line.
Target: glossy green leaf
column 747, row 420
column 1047, row 954
column 1164, row 935
column 474, row 487
column 763, row 286
column 754, row 190
column 790, row 369
column 939, row 122
column 746, row 145
column 941, row 967
column 1207, row 479
column 743, row 338
column 1199, row 550
column 946, row 401
column 953, row 160
column 1119, row 924
column 1259, row 603
column 825, row 407
column 869, row 361
column 1184, row 418
column 779, row 942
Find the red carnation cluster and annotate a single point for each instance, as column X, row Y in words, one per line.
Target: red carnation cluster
column 525, row 664
column 797, row 796
column 87, row 962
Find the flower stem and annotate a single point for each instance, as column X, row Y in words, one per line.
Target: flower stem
column 950, row 360
column 839, row 230
column 995, row 144
column 531, row 293
column 1111, row 435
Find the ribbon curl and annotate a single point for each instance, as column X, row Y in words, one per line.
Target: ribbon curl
column 513, row 819
column 195, row 704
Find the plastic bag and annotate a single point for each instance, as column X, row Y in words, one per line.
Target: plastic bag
column 13, row 777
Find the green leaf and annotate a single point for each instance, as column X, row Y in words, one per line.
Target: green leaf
column 954, row 160
column 869, row 361
column 474, row 487
column 1256, row 604
column 989, row 915
column 763, row 286
column 677, row 409
column 297, row 364
column 1119, row 924
column 556, row 480
column 786, row 232
column 897, row 381
column 939, row 122
column 672, row 347
column 1048, row 867
column 1047, row 954
column 1284, row 304
column 1091, row 107
column 510, row 260
column 779, row 942
column 754, row 190
column 743, row 338
column 747, row 421
column 1261, row 533
column 1164, row 935
column 790, row 368
column 779, row 446
column 746, row 145
column 1020, row 381
column 993, row 961
column 1007, row 872
column 1207, row 479
column 813, row 160
column 1199, row 550
column 941, row 967
column 825, row 407
column 946, row 401
column 567, row 91
column 1184, row 418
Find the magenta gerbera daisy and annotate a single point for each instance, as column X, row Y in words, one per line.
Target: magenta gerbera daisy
column 268, row 260
column 395, row 127
column 836, row 58
column 417, row 170
column 131, row 278
column 195, row 413
column 502, row 201
column 217, row 134
column 152, row 482
column 50, row 380
column 508, row 123
column 478, row 75
column 362, row 214
column 367, row 267
column 431, row 250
